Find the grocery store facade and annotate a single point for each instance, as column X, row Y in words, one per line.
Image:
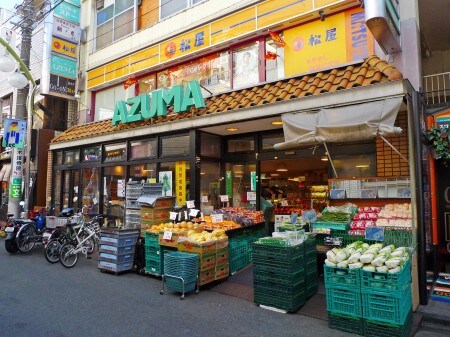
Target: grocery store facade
column 251, row 81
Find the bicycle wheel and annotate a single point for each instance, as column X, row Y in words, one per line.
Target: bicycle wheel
column 52, row 251
column 68, row 255
column 23, row 242
column 90, row 245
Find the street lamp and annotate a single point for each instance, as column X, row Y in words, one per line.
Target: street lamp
column 20, row 80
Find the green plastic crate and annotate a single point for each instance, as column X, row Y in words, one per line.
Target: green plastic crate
column 153, row 266
column 289, row 266
column 289, row 303
column 341, row 226
column 152, row 251
column 380, row 329
column 310, row 265
column 273, row 268
column 344, row 301
column 311, row 289
column 238, row 264
column 284, row 253
column 282, row 279
column 399, row 238
column 151, row 237
column 342, row 278
column 280, row 289
column 386, row 308
column 386, row 283
column 346, row 323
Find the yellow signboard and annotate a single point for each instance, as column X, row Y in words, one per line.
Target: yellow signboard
column 64, row 47
column 275, row 11
column 185, row 44
column 341, row 38
column 180, row 182
column 233, row 26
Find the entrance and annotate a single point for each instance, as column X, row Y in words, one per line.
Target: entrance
column 71, row 180
column 114, row 193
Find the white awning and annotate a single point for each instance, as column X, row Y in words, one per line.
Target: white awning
column 341, row 124
column 5, row 172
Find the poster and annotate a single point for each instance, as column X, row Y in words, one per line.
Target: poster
column 165, row 178
column 246, row 70
column 14, row 133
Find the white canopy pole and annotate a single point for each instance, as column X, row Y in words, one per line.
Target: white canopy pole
column 393, row 148
column 331, row 160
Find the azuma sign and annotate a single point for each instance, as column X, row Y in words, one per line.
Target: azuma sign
column 155, row 104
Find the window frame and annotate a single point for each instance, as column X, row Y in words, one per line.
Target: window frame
column 189, row 4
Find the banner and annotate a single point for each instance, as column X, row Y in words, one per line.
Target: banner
column 14, row 133
column 180, row 182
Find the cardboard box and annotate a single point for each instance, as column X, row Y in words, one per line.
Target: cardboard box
column 173, row 242
column 222, row 243
column 222, row 257
column 222, row 272
column 207, row 276
column 189, row 247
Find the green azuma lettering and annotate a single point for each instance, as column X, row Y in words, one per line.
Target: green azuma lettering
column 155, row 104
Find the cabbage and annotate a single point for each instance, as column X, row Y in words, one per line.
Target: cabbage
column 367, row 257
column 330, row 264
column 343, row 264
column 376, row 245
column 397, row 253
column 349, row 250
column 372, row 250
column 369, row 267
column 335, row 251
column 379, row 261
column 331, row 256
column 382, row 269
column 341, row 256
column 354, row 258
column 365, row 245
column 393, row 263
column 401, row 249
column 387, row 249
column 394, row 270
column 357, row 265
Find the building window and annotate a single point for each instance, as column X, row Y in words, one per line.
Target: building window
column 173, row 146
column 143, row 149
column 115, row 152
column 268, row 141
column 71, row 157
column 241, row 144
column 92, row 154
column 274, row 61
column 171, row 7
column 114, row 21
column 245, row 66
column 105, row 101
column 147, row 84
column 210, row 145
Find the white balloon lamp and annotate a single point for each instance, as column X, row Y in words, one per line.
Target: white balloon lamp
column 6, row 64
column 17, row 80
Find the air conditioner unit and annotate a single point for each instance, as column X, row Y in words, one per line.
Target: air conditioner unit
column 100, row 4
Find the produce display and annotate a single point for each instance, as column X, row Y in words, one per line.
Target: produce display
column 224, row 225
column 339, row 214
column 357, row 255
column 366, row 217
column 319, row 192
column 181, row 228
column 241, row 216
column 205, row 237
column 287, row 210
column 395, row 215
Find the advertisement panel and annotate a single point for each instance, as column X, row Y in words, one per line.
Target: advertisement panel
column 62, row 66
column 68, row 12
column 66, row 30
column 65, row 48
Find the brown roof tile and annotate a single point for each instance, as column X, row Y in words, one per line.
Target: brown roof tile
column 373, row 70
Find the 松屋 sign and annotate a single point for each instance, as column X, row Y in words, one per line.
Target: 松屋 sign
column 155, row 104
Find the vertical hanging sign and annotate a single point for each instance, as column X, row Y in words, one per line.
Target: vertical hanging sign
column 14, row 133
column 180, row 182
column 253, row 180
column 229, row 184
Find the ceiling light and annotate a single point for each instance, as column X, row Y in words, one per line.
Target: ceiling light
column 282, row 167
column 362, row 166
column 232, row 129
column 274, row 174
column 277, row 123
column 202, row 173
column 324, row 158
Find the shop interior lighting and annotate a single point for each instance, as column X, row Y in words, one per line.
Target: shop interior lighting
column 274, row 174
column 282, row 167
column 324, row 158
column 202, row 173
column 277, row 123
column 362, row 166
column 232, row 129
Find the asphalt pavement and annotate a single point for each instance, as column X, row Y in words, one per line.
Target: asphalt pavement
column 42, row 299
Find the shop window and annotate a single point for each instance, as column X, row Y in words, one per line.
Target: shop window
column 173, row 146
column 143, row 149
column 147, row 84
column 274, row 61
column 211, row 71
column 143, row 172
column 210, row 145
column 171, row 7
column 363, row 165
column 56, row 202
column 209, row 186
column 245, row 66
column 71, row 157
column 114, row 22
column 114, row 189
column 116, row 152
column 92, row 154
column 58, row 158
column 174, row 177
column 90, row 190
column 268, row 141
column 105, row 100
column 240, row 182
column 241, row 144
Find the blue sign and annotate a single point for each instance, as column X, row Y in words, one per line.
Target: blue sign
column 337, row 194
column 74, row 2
column 63, row 67
column 309, row 216
column 68, row 12
column 374, row 233
column 14, row 133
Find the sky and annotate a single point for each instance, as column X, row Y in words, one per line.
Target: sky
column 9, row 4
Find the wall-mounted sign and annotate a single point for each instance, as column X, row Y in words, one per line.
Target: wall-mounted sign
column 62, row 85
column 63, row 67
column 74, row 2
column 66, row 30
column 65, row 48
column 155, row 104
column 9, row 36
column 14, row 133
column 443, row 122
column 68, row 12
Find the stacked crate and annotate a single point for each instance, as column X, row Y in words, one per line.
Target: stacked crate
column 279, row 276
column 153, row 255
column 212, row 259
column 132, row 211
column 117, row 249
column 180, row 271
column 372, row 304
column 311, row 274
column 240, row 249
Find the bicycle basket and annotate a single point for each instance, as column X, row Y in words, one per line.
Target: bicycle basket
column 53, row 221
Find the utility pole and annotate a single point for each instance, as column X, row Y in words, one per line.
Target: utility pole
column 26, row 10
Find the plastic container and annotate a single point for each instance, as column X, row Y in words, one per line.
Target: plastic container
column 342, row 278
column 116, row 250
column 153, row 266
column 115, row 267
column 380, row 329
column 344, row 301
column 274, row 277
column 290, row 303
column 116, row 258
column 347, row 323
column 386, row 283
column 123, row 242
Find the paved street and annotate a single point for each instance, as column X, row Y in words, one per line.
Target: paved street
column 40, row 299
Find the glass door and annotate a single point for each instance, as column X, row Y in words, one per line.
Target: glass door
column 114, row 193
column 71, row 181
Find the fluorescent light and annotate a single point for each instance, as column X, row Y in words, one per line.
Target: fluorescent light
column 202, row 173
column 274, row 174
column 362, row 166
column 232, row 129
column 282, row 167
column 277, row 123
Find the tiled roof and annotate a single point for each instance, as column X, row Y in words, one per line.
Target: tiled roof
column 373, row 70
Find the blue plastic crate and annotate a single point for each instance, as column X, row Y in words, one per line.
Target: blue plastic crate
column 116, row 258
column 116, row 250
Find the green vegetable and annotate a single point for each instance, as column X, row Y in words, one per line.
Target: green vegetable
column 330, row 264
column 367, row 257
column 382, row 269
column 357, row 265
column 369, row 267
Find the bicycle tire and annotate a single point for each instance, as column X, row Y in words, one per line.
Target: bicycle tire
column 22, row 237
column 52, row 251
column 66, row 256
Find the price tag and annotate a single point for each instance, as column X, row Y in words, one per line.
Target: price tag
column 190, row 204
column 284, row 203
column 173, row 216
column 95, row 201
column 185, row 215
column 167, row 235
column 193, row 212
column 204, row 198
column 217, row 218
column 224, row 198
column 251, row 196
